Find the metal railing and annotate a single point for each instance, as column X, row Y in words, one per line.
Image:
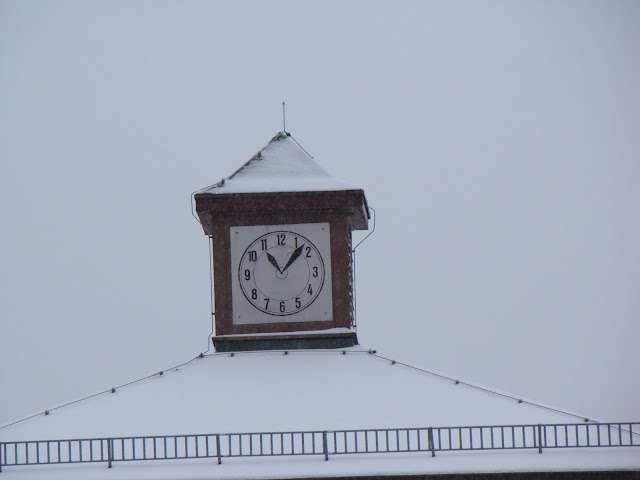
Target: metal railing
column 325, row 443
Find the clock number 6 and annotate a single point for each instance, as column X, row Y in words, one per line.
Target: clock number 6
column 282, row 307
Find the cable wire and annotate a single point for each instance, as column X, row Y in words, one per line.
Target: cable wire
column 484, row 389
column 303, row 149
column 353, row 256
column 210, row 294
column 110, row 390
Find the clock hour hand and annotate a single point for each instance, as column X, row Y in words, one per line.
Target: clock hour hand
column 294, row 256
column 274, row 262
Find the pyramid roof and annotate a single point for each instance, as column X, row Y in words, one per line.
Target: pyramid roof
column 273, row 391
column 280, row 166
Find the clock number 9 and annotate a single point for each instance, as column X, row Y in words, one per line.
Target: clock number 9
column 282, row 307
column 247, row 275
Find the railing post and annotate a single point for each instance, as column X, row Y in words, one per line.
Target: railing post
column 110, row 451
column 325, row 447
column 218, row 448
column 432, row 447
column 539, row 438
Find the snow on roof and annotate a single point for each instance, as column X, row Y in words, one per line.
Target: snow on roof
column 269, row 391
column 303, row 390
column 280, row 166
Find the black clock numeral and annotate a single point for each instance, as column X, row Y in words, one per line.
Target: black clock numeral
column 247, row 275
column 315, row 272
column 296, row 242
column 263, row 243
column 282, row 307
column 266, row 303
column 254, row 294
column 281, row 239
column 308, row 254
column 310, row 290
column 298, row 304
column 253, row 255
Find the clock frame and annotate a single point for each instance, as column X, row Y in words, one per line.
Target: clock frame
column 281, row 273
column 343, row 211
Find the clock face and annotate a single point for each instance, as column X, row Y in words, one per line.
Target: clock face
column 282, row 273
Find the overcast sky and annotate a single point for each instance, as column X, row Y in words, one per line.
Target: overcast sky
column 499, row 143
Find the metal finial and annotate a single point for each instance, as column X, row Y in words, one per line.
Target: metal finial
column 284, row 124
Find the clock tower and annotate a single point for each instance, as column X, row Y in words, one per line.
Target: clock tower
column 280, row 228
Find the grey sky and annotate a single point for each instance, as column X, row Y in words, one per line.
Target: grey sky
column 499, row 143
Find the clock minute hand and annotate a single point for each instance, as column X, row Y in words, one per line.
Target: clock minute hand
column 294, row 256
column 274, row 262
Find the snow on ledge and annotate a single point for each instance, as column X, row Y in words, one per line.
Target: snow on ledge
column 337, row 330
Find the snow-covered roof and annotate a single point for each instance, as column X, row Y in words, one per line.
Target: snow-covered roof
column 300, row 391
column 280, row 166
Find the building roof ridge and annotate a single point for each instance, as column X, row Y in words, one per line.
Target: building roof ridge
column 484, row 388
column 113, row 389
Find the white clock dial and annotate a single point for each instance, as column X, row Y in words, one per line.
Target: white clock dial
column 281, row 273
